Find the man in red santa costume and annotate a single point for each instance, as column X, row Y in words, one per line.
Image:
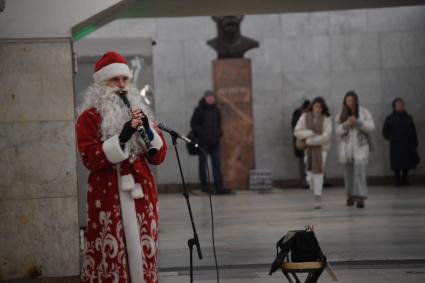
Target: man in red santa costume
column 122, row 227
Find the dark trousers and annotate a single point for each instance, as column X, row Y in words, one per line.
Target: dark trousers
column 213, row 150
column 401, row 177
column 302, row 174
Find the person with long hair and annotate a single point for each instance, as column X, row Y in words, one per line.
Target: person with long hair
column 399, row 129
column 313, row 132
column 353, row 127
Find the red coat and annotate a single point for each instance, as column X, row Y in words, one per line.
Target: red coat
column 106, row 256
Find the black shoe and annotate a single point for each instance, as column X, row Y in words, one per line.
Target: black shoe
column 327, row 185
column 360, row 203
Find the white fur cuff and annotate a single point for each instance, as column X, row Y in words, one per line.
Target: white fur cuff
column 113, row 150
column 157, row 141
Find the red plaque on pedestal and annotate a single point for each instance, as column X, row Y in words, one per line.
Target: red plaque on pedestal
column 233, row 87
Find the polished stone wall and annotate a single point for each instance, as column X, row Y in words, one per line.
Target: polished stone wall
column 38, row 188
column 379, row 53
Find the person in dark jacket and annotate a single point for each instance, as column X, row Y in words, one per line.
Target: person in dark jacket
column 206, row 126
column 400, row 130
column 300, row 153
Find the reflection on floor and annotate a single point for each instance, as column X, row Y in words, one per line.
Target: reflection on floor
column 393, row 273
column 390, row 229
column 384, row 242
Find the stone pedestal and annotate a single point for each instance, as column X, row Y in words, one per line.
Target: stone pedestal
column 233, row 87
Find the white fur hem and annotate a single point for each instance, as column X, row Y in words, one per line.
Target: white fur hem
column 113, row 150
column 132, row 237
column 110, row 71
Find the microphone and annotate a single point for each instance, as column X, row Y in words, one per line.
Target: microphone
column 174, row 134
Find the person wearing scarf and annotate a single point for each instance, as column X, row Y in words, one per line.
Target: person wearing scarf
column 353, row 127
column 314, row 130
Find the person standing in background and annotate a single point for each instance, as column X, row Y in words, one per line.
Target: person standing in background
column 354, row 126
column 206, row 126
column 400, row 130
column 299, row 154
column 314, row 129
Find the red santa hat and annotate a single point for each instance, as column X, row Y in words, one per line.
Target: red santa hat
column 112, row 64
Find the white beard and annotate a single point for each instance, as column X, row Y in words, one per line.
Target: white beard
column 114, row 112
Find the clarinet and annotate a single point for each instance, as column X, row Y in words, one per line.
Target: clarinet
column 150, row 150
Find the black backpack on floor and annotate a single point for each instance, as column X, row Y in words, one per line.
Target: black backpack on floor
column 299, row 246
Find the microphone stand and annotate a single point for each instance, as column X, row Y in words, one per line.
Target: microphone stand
column 193, row 241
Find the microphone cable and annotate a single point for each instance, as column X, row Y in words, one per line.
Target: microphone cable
column 211, row 213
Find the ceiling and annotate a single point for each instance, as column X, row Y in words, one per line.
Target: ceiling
column 186, row 8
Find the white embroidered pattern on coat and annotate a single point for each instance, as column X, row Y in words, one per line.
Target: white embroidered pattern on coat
column 107, row 244
column 149, row 245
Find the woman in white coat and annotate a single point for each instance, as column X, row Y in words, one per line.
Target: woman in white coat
column 313, row 132
column 353, row 128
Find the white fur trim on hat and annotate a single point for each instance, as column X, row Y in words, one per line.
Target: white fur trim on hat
column 113, row 151
column 110, row 71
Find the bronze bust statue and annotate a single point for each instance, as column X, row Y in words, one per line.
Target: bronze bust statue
column 230, row 43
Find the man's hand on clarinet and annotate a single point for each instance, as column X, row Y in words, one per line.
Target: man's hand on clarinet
column 137, row 119
column 130, row 127
column 141, row 118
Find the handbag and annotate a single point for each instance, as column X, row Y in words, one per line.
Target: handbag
column 297, row 246
column 191, row 149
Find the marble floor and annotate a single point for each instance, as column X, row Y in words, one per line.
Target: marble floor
column 384, row 242
column 385, row 275
column 385, row 238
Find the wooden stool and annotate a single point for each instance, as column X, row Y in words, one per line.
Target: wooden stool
column 314, row 270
